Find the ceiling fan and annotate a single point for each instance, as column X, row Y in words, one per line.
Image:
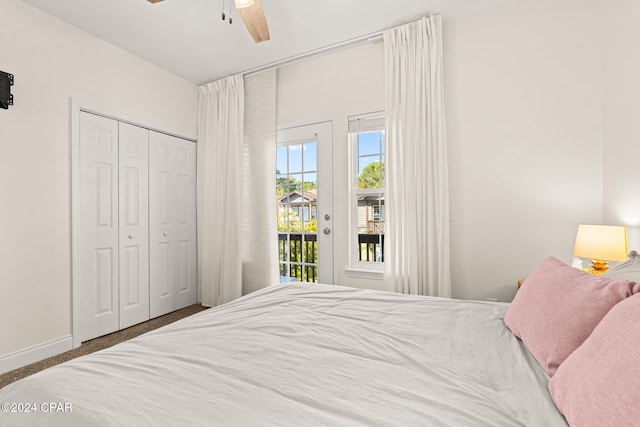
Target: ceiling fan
column 252, row 15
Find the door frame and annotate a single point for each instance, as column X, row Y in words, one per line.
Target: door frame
column 76, row 107
column 332, row 121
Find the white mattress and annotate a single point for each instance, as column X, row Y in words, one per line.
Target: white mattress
column 303, row 355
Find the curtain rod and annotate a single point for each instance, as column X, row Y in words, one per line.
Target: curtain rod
column 334, row 47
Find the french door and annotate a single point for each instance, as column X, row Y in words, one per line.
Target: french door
column 304, row 203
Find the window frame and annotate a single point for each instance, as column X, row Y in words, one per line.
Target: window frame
column 369, row 122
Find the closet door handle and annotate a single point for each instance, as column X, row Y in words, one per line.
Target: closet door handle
column 130, row 236
column 165, row 234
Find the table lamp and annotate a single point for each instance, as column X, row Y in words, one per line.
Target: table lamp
column 601, row 243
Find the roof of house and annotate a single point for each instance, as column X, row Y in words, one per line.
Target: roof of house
column 298, row 196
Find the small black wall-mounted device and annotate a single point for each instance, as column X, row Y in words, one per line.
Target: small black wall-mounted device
column 6, row 81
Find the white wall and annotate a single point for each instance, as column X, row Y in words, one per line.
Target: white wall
column 524, row 110
column 621, row 89
column 537, row 92
column 52, row 63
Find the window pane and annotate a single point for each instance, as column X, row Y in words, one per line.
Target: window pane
column 311, row 273
column 363, row 162
column 369, row 207
column 371, row 172
column 311, row 183
column 282, row 185
column 283, row 247
column 295, row 184
column 295, row 158
column 310, row 249
column 296, row 188
column 295, row 247
column 281, row 160
column 310, row 154
column 368, row 143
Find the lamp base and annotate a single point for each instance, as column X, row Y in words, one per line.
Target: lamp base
column 598, row 266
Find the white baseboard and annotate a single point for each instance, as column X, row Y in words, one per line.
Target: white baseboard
column 35, row 354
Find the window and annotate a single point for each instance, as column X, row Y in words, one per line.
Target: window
column 376, row 213
column 367, row 141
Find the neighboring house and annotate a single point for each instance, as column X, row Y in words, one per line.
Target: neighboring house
column 370, row 215
column 371, row 228
column 303, row 204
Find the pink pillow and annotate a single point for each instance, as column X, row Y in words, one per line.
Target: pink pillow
column 558, row 306
column 599, row 384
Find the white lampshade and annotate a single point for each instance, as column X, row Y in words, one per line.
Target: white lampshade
column 602, row 242
column 243, row 3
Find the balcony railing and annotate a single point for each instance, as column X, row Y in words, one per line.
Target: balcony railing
column 371, row 247
column 298, row 254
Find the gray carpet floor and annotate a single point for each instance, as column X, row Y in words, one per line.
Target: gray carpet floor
column 98, row 344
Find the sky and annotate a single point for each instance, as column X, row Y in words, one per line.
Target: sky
column 294, row 158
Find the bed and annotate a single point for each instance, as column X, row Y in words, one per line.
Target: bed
column 302, row 355
column 565, row 351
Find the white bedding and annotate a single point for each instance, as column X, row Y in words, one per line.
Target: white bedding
column 303, row 355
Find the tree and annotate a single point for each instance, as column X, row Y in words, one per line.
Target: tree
column 285, row 185
column 372, row 176
column 311, row 226
column 309, row 185
column 289, row 221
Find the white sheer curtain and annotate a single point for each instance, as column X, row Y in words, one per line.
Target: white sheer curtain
column 417, row 199
column 260, row 243
column 220, row 159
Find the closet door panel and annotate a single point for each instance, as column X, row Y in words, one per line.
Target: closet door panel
column 133, row 224
column 98, row 226
column 162, row 217
column 172, row 216
column 185, row 184
column 163, row 284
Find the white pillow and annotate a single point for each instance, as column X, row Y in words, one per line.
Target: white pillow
column 629, row 270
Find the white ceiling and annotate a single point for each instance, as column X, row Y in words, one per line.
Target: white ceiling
column 189, row 38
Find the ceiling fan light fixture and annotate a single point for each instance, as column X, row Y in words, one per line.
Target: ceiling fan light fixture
column 241, row 4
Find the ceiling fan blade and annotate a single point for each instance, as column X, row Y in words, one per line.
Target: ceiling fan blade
column 255, row 21
column 154, row 1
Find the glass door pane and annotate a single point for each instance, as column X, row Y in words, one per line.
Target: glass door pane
column 297, row 202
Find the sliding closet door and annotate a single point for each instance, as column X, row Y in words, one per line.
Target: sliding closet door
column 134, row 224
column 172, row 232
column 98, row 226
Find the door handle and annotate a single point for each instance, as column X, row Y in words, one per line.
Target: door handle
column 130, row 236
